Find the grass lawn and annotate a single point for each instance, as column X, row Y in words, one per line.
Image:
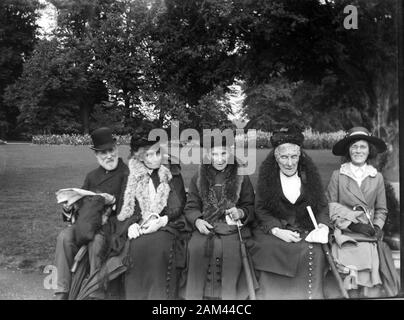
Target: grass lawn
column 30, row 175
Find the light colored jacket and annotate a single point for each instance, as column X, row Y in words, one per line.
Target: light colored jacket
column 343, row 194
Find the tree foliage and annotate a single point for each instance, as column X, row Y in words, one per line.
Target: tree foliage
column 18, row 30
column 156, row 60
column 52, row 91
column 350, row 71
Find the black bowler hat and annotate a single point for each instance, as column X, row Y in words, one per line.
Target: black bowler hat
column 102, row 139
column 355, row 134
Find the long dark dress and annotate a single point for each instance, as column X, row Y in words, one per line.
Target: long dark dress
column 154, row 261
column 214, row 262
column 288, row 270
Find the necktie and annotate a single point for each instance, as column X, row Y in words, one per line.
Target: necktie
column 155, row 178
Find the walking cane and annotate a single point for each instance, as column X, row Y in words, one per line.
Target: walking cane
column 329, row 258
column 77, row 258
column 246, row 265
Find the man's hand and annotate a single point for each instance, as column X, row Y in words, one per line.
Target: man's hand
column 286, row 235
column 134, row 231
column 203, row 226
column 66, row 207
column 235, row 214
column 154, row 225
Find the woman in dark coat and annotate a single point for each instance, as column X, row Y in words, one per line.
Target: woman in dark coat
column 219, row 195
column 289, row 261
column 151, row 218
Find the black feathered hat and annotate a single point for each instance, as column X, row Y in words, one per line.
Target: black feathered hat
column 287, row 134
column 140, row 139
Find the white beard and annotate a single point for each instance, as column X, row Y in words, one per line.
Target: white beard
column 108, row 164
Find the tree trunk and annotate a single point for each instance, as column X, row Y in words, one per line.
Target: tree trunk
column 127, row 111
column 85, row 117
column 388, row 131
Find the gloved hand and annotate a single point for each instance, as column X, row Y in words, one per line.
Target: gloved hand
column 378, row 232
column 319, row 235
column 66, row 207
column 286, row 235
column 203, row 226
column 230, row 221
column 154, row 225
column 134, row 231
column 363, row 228
column 235, row 214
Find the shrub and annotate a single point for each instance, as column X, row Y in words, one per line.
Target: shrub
column 313, row 139
column 72, row 139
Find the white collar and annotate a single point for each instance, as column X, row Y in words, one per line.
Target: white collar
column 351, row 170
column 284, row 176
column 291, row 186
column 358, row 169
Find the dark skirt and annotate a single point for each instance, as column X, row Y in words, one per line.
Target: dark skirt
column 214, row 268
column 151, row 274
column 288, row 270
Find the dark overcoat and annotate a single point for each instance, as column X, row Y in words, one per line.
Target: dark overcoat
column 101, row 180
column 214, row 263
column 154, row 261
column 287, row 270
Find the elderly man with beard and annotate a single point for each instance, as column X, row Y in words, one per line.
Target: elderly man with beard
column 289, row 262
column 107, row 178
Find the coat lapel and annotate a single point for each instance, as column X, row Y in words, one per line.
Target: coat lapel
column 104, row 176
column 363, row 192
column 367, row 188
column 355, row 190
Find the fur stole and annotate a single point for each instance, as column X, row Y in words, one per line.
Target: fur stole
column 213, row 208
column 137, row 188
column 269, row 189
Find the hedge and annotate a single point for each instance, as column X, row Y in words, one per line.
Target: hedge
column 313, row 140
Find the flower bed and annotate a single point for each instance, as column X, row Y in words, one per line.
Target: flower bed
column 313, row 140
column 72, row 139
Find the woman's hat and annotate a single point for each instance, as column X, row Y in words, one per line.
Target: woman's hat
column 287, row 134
column 140, row 139
column 102, row 139
column 355, row 134
column 216, row 139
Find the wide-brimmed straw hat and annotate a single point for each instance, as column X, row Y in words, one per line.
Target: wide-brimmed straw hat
column 355, row 134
